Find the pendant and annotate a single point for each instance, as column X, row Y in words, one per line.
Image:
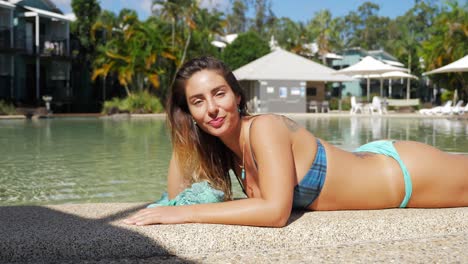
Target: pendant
column 243, row 174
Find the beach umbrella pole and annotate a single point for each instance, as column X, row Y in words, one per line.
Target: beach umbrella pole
column 389, row 88
column 381, row 87
column 408, row 89
column 368, row 88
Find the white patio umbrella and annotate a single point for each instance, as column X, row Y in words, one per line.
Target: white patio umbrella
column 460, row 65
column 368, row 65
column 398, row 75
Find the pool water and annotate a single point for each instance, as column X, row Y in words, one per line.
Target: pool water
column 86, row 160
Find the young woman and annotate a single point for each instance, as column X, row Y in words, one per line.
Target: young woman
column 281, row 165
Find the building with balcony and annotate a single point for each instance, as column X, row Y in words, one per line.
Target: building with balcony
column 6, row 48
column 35, row 56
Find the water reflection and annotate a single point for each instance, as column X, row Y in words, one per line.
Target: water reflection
column 351, row 132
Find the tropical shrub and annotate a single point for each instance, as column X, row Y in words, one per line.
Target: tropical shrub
column 446, row 95
column 137, row 103
column 6, row 108
column 345, row 103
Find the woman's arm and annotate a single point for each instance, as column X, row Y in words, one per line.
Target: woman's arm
column 273, row 153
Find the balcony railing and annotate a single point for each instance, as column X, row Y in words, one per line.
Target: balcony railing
column 53, row 47
column 5, row 37
column 47, row 46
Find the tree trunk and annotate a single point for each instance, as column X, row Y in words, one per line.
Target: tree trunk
column 187, row 42
column 127, row 90
column 173, row 33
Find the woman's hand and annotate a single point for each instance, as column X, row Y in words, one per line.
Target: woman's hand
column 159, row 215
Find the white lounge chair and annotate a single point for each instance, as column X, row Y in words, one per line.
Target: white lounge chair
column 445, row 110
column 355, row 106
column 458, row 108
column 438, row 109
column 376, row 105
column 465, row 109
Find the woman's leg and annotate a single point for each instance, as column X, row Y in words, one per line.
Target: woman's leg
column 439, row 179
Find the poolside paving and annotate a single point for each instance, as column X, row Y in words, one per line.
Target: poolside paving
column 94, row 233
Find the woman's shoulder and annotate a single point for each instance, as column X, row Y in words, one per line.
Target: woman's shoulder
column 267, row 120
column 273, row 121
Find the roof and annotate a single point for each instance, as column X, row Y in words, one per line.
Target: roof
column 369, row 65
column 48, row 14
column 284, row 65
column 382, row 54
column 6, row 4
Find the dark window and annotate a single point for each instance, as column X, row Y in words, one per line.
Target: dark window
column 311, row 91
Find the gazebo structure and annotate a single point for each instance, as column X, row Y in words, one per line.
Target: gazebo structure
column 284, row 82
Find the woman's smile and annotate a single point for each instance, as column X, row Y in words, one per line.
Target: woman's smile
column 217, row 122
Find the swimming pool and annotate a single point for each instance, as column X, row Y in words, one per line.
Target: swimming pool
column 86, row 160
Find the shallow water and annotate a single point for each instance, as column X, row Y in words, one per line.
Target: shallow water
column 83, row 160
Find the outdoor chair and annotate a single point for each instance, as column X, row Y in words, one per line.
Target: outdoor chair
column 313, row 105
column 384, row 105
column 355, row 106
column 325, row 107
column 438, row 110
column 376, row 105
column 465, row 109
column 458, row 108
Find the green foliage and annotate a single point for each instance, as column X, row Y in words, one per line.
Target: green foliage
column 246, row 48
column 137, row 103
column 345, row 103
column 87, row 12
column 208, row 23
column 324, row 31
column 446, row 95
column 6, row 108
column 237, row 19
column 132, row 53
column 144, row 54
column 448, row 42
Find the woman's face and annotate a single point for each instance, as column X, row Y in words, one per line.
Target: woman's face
column 212, row 103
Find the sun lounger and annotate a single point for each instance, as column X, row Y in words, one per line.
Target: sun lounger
column 438, row 110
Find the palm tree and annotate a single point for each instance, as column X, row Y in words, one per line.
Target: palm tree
column 448, row 42
column 132, row 53
column 169, row 10
column 324, row 30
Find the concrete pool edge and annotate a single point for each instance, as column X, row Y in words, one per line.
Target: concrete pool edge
column 95, row 233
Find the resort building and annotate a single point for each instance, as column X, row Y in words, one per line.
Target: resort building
column 35, row 59
column 284, row 82
column 357, row 87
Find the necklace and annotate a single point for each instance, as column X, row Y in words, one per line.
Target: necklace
column 243, row 164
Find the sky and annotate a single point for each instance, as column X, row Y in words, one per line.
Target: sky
column 297, row 10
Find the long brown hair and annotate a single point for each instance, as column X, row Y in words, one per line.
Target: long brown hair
column 200, row 155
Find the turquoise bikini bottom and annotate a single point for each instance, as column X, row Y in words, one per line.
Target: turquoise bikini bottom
column 385, row 147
